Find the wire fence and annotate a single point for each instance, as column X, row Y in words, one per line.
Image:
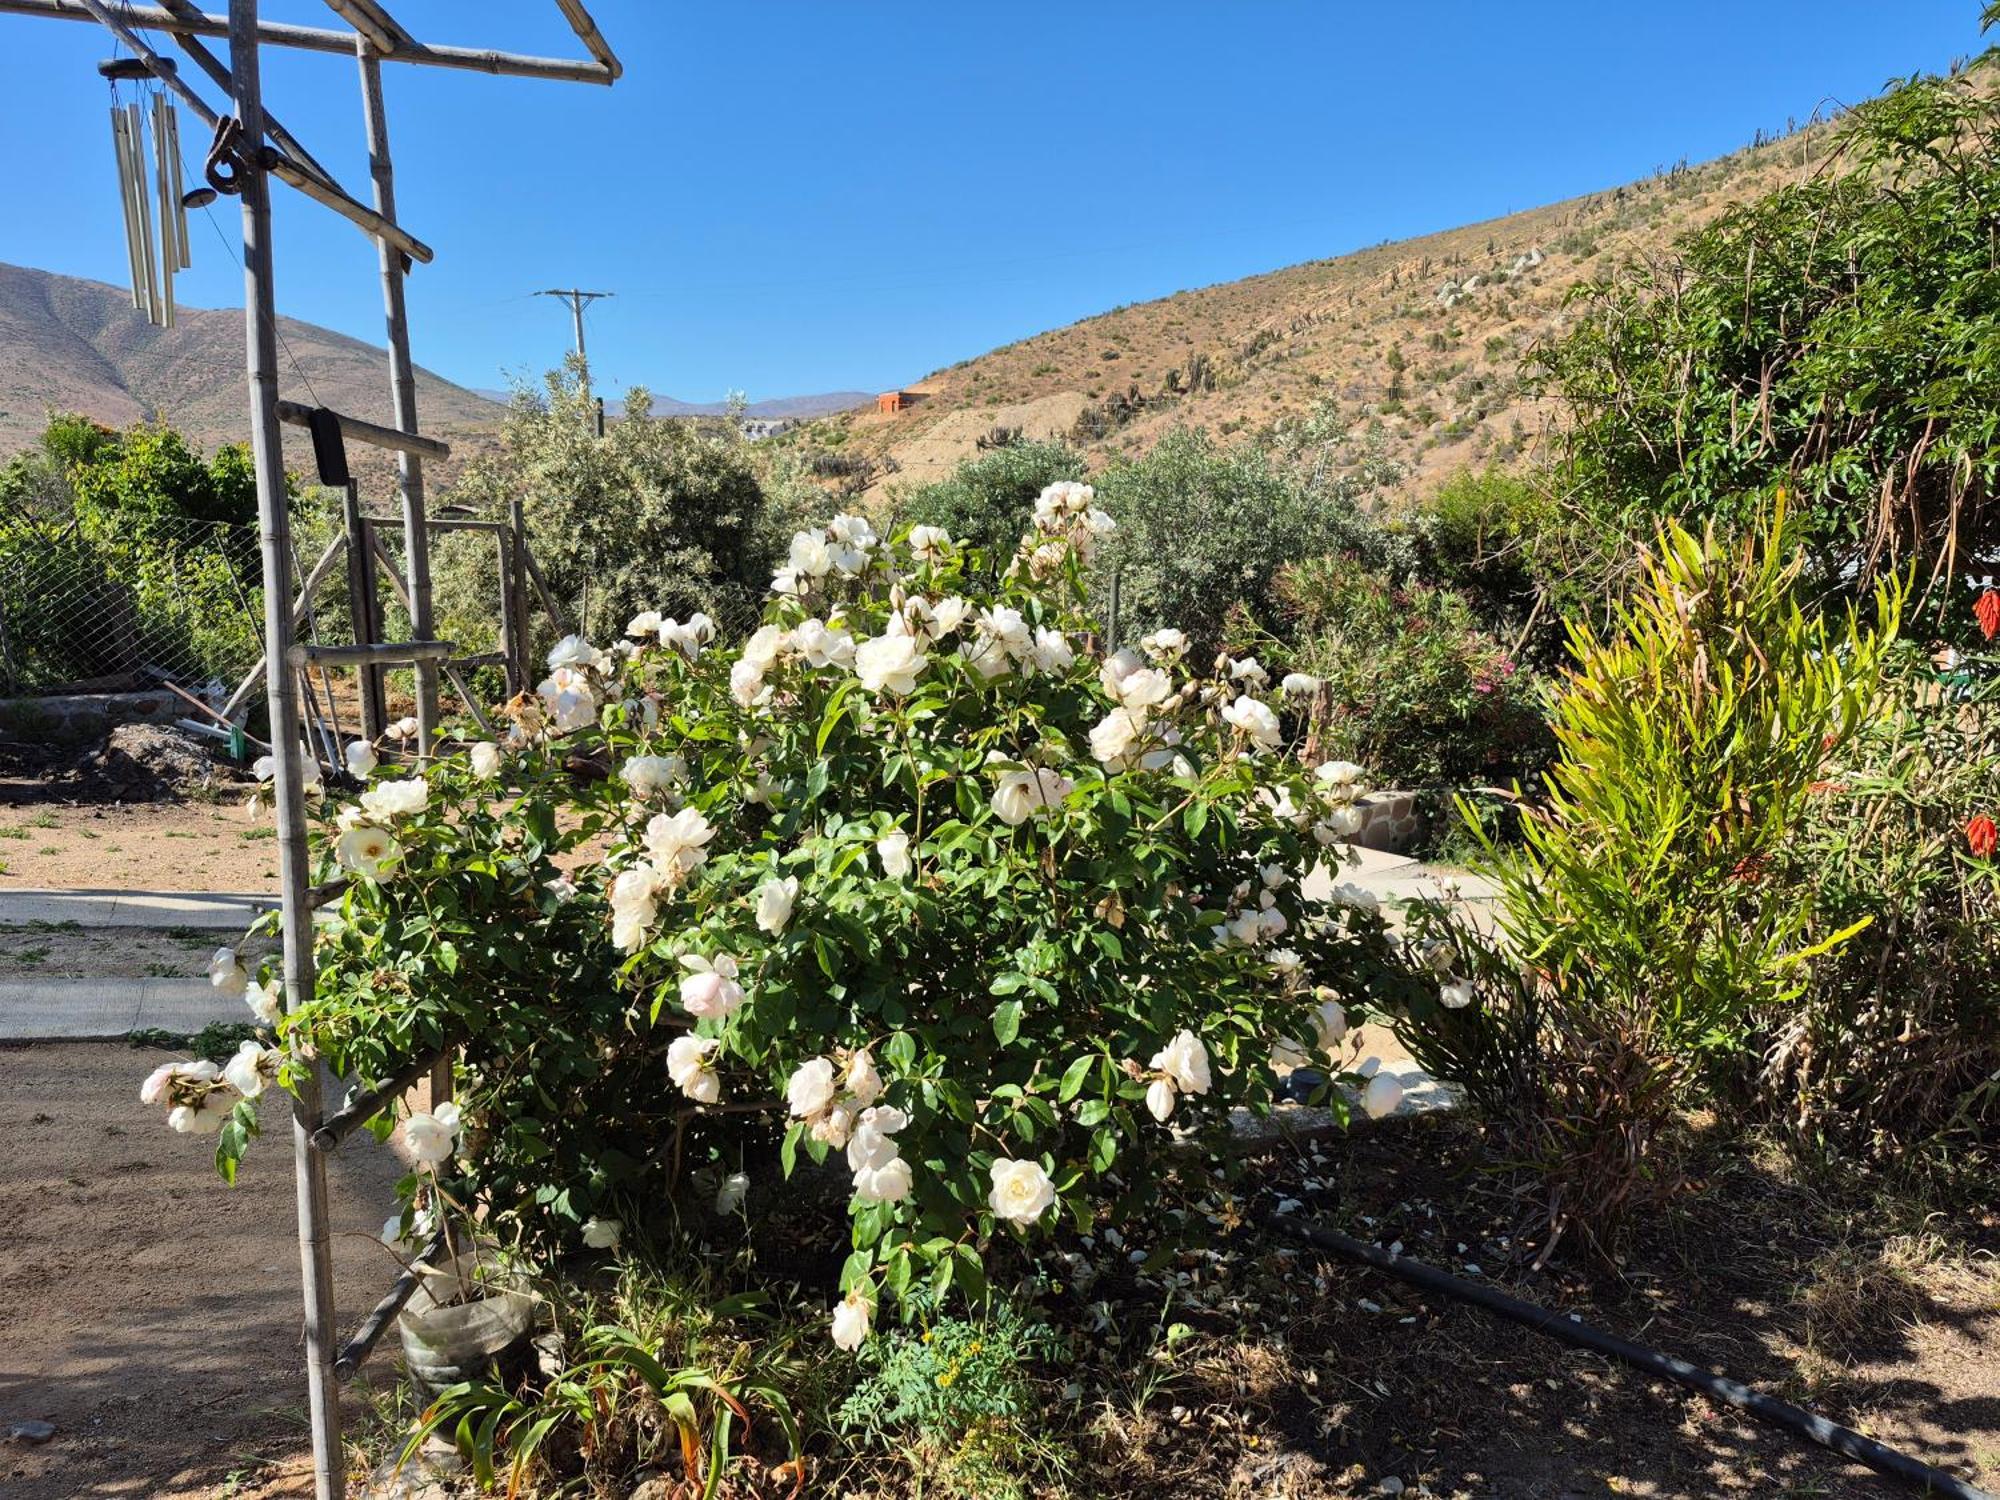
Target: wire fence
column 102, row 603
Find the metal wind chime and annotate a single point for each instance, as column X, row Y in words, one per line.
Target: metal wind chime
column 149, row 184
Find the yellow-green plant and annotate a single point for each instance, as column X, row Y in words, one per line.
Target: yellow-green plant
column 1641, row 934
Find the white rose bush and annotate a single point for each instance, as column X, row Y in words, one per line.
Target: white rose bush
column 919, row 885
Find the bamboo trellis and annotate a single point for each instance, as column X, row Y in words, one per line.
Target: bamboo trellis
column 249, row 149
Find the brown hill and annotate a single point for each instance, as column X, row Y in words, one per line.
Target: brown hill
column 80, row 346
column 1411, row 348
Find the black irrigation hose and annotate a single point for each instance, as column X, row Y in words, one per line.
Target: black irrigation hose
column 1842, row 1440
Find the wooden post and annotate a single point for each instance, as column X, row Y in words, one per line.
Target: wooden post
column 260, row 316
column 402, row 391
column 510, row 642
column 524, row 635
column 366, row 608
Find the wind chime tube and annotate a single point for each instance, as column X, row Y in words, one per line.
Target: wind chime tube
column 173, row 119
column 121, row 150
column 170, row 250
column 141, row 190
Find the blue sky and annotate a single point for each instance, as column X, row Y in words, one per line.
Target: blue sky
column 810, row 195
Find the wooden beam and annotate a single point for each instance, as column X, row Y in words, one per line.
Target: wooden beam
column 313, row 39
column 298, row 414
column 379, row 654
column 357, row 1349
column 365, row 1104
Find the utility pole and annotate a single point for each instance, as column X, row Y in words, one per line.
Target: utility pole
column 578, row 301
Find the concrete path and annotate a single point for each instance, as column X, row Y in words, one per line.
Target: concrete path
column 91, row 1010
column 224, row 911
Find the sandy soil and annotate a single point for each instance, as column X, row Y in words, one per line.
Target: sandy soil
column 41, row 950
column 146, row 1310
column 184, row 846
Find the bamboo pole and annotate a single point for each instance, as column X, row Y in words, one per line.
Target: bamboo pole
column 317, row 39
column 409, row 466
column 524, row 639
column 274, row 516
column 402, row 392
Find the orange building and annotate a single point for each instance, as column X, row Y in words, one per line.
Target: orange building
column 890, row 402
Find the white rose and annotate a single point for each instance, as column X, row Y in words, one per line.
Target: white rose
column 643, row 624
column 863, row 1081
column 675, row 841
column 571, row 651
column 930, row 543
column 1165, row 644
column 205, row 1116
column 226, row 972
column 365, row 850
column 1024, row 794
column 949, row 613
column 811, row 1090
column 735, row 1188
column 1160, row 1099
column 154, row 1089
column 822, row 646
column 1021, row 1192
column 746, row 683
column 889, row 664
column 569, row 699
column 1121, row 664
column 601, row 1234
column 1185, row 1061
column 360, row 757
column 1456, row 993
column 1256, row 721
column 1052, row 652
column 1382, row 1095
column 1250, row 670
column 1114, row 735
column 688, row 639
column 404, row 729
column 893, row 849
column 266, row 1001
column 691, row 1066
column 837, row 1124
column 1299, row 684
column 810, row 554
column 1146, row 687
column 775, row 899
column 431, row 1137
column 710, row 991
column 1347, row 893
column 485, row 760
column 1330, row 1022
column 395, row 799
column 253, row 1066
column 888, row 1183
column 1340, row 773
column 650, row 775
column 851, row 1316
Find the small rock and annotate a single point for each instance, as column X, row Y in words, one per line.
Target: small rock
column 30, row 1431
column 1391, row 1485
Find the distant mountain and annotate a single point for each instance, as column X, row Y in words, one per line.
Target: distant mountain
column 80, row 346
column 778, row 408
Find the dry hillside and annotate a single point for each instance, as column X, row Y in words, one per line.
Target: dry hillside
column 1413, row 347
column 80, row 346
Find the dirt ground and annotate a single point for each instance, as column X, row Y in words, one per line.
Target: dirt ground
column 149, row 1312
column 184, row 846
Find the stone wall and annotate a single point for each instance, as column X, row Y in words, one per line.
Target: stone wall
column 78, row 718
column 1393, row 822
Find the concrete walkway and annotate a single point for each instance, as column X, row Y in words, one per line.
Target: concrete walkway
column 221, row 910
column 97, row 1010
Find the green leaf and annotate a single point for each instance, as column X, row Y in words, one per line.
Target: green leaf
column 1073, row 1077
column 1007, row 1022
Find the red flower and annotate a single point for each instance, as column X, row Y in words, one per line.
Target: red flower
column 1982, row 836
column 1987, row 612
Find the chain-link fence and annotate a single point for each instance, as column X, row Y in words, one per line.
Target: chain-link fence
column 101, row 603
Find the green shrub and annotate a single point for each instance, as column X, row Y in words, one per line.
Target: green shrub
column 657, row 514
column 990, row 501
column 1837, row 332
column 1413, row 689
column 1894, row 1047
column 1203, row 527
column 1644, row 940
